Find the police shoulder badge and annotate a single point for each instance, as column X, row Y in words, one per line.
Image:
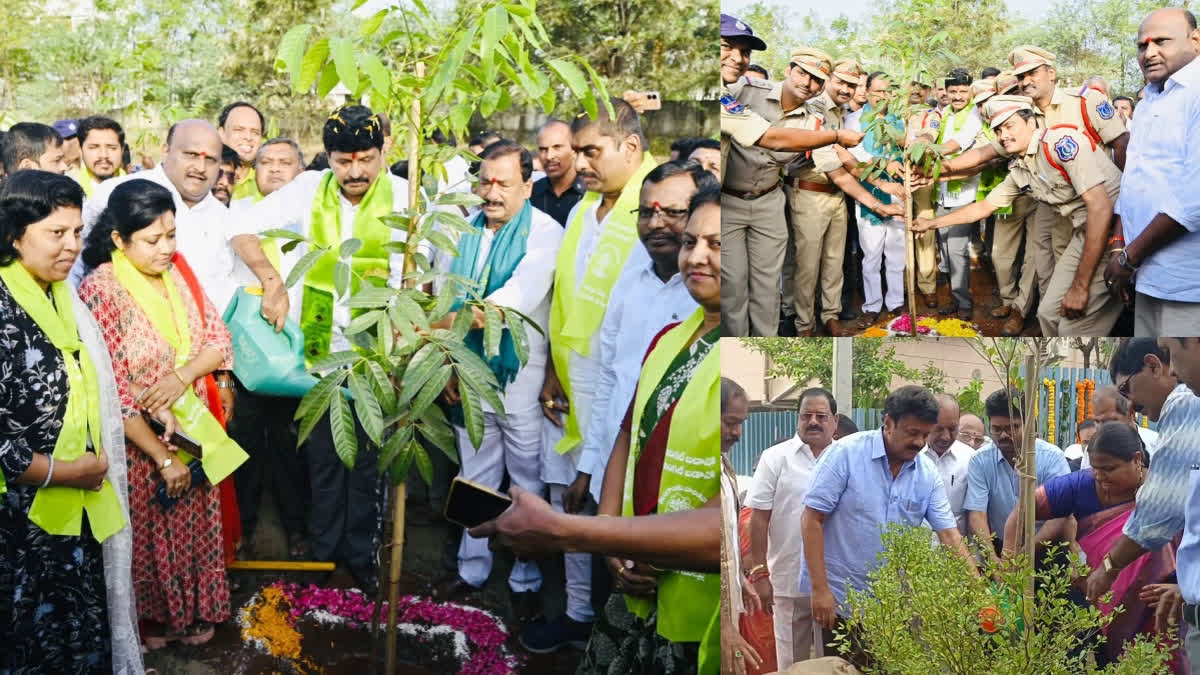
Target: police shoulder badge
column 732, row 105
column 1066, row 148
column 1105, row 110
column 935, row 123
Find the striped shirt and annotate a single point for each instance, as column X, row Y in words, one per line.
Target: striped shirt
column 1159, row 513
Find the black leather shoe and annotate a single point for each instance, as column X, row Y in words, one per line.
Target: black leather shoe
column 527, row 606
column 452, row 589
column 847, row 315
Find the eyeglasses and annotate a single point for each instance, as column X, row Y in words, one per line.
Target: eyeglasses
column 1123, row 388
column 968, row 437
column 1010, row 430
column 646, row 213
column 231, row 175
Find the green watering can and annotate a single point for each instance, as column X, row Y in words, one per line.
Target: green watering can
column 266, row 362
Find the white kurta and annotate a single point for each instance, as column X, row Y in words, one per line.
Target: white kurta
column 290, row 208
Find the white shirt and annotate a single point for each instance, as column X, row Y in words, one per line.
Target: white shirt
column 730, row 520
column 1162, row 172
column 953, row 468
column 1149, row 439
column 640, row 305
column 290, row 208
column 201, row 232
column 528, row 292
column 781, row 482
column 458, row 174
column 966, row 138
column 585, row 370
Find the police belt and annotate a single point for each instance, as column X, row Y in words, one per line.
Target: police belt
column 810, row 185
column 749, row 196
column 1191, row 614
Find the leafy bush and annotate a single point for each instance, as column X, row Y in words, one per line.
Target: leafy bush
column 926, row 613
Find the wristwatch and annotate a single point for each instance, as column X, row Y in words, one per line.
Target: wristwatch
column 1109, row 567
column 170, row 460
column 1123, row 261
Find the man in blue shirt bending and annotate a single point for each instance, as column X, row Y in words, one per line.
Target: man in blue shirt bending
column 861, row 485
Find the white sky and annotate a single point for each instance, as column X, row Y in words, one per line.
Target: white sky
column 858, row 10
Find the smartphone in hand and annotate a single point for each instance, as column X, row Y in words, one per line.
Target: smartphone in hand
column 470, row 504
column 178, row 439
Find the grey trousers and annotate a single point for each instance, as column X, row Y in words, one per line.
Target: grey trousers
column 1155, row 317
column 955, row 242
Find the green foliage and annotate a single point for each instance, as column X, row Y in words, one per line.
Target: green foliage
column 875, row 366
column 970, row 398
column 402, row 361
column 923, row 615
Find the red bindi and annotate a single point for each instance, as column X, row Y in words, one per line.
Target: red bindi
column 353, row 156
column 656, row 205
column 203, row 155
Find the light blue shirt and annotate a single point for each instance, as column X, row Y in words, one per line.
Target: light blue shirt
column 853, row 486
column 1161, row 504
column 1162, row 172
column 993, row 485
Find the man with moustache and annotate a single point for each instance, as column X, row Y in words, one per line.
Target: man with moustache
column 101, row 142
column 561, row 189
column 1159, row 207
column 1062, row 169
column 241, row 126
column 814, row 187
column 512, row 247
column 1141, row 370
column 781, row 482
column 189, row 170
column 612, row 159
column 753, row 225
column 1087, row 110
column 860, row 485
column 226, row 175
column 950, row 456
column 991, row 474
column 346, row 201
column 646, row 298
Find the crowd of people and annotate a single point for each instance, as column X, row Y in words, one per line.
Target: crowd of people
column 814, row 513
column 116, row 539
column 1075, row 209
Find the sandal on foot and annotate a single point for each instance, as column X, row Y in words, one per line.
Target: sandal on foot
column 198, row 634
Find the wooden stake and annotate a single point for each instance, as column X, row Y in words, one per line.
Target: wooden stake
column 910, row 244
column 1028, row 473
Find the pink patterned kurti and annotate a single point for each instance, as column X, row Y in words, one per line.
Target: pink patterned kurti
column 178, row 570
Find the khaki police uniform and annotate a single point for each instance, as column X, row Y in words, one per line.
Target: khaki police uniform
column 818, row 212
column 738, row 123
column 926, row 124
column 753, row 229
column 1059, row 165
column 1010, row 232
column 1087, row 110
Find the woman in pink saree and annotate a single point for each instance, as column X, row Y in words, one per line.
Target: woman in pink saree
column 1101, row 499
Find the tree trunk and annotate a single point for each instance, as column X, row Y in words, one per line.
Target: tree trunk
column 400, row 492
column 1027, row 470
column 910, row 245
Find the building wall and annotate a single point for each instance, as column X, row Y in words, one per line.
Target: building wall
column 953, row 356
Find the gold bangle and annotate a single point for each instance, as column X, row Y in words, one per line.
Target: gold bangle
column 181, row 380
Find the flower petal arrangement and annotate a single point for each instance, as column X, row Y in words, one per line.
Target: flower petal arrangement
column 926, row 326
column 273, row 621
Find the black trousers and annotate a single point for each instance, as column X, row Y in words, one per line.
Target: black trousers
column 263, row 426
column 346, row 518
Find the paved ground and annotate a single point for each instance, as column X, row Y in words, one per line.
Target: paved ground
column 346, row 651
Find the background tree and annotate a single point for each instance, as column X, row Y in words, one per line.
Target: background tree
column 875, row 365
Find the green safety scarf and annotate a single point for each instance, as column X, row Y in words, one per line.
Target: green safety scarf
column 576, row 311
column 991, row 178
column 88, row 181
column 247, row 187
column 958, row 119
column 169, row 317
column 59, row 509
column 507, row 251
column 691, row 475
column 370, row 262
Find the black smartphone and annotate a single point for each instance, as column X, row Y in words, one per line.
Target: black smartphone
column 470, row 504
column 197, row 478
column 178, row 439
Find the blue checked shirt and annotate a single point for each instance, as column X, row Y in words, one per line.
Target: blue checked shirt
column 853, row 486
column 1158, row 514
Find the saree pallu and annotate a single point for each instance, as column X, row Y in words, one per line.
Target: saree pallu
column 1097, row 534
